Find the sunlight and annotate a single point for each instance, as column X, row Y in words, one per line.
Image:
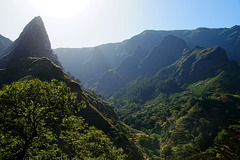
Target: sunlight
column 59, row 8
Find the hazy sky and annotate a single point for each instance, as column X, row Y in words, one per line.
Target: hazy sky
column 84, row 23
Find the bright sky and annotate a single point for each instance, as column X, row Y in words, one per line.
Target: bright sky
column 85, row 23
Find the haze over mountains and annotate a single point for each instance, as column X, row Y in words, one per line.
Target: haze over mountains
column 80, row 61
column 173, row 89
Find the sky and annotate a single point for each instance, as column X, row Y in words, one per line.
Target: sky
column 87, row 23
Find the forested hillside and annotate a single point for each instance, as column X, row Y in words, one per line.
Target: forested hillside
column 183, row 106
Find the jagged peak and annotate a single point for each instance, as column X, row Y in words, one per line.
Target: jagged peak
column 32, row 42
column 36, row 21
column 36, row 26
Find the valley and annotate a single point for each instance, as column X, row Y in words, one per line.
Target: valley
column 178, row 87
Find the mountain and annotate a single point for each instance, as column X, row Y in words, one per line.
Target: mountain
column 181, row 107
column 31, row 57
column 4, row 43
column 33, row 42
column 118, row 77
column 140, row 63
column 75, row 60
column 167, row 52
column 195, row 64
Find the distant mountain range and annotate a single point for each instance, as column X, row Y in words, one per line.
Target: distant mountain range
column 81, row 60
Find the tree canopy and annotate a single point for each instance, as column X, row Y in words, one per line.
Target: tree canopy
column 37, row 122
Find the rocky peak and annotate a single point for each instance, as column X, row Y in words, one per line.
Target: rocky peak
column 35, row 31
column 32, row 42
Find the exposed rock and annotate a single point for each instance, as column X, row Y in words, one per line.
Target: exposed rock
column 33, row 42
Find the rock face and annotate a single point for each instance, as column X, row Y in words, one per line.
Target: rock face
column 33, row 42
column 164, row 54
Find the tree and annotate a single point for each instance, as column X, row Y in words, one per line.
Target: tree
column 37, row 122
column 25, row 109
column 81, row 141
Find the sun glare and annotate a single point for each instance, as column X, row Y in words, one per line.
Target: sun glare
column 59, row 8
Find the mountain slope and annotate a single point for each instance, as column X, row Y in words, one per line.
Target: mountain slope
column 194, row 65
column 167, row 52
column 140, row 64
column 33, row 42
column 182, row 106
column 4, row 43
column 117, row 78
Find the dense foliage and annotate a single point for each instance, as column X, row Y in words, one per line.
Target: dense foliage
column 182, row 119
column 37, row 122
column 227, row 142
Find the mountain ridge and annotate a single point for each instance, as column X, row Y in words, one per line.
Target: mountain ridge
column 140, row 64
column 227, row 38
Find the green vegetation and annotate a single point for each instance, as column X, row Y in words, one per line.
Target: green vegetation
column 180, row 111
column 38, row 122
column 183, row 127
column 227, row 143
column 181, row 108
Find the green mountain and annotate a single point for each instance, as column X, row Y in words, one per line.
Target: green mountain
column 183, row 105
column 31, row 56
column 194, row 65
